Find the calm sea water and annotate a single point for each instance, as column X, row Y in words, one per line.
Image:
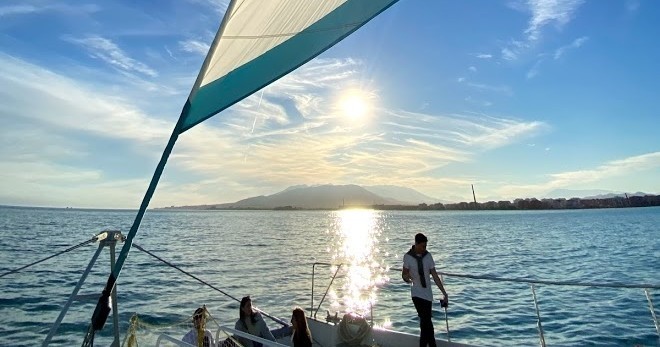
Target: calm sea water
column 269, row 255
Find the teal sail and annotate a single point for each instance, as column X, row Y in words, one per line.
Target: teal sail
column 257, row 43
column 253, row 49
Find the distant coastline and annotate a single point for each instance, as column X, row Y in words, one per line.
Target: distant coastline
column 517, row 204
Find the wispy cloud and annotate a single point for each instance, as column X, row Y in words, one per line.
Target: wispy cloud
column 24, row 9
column 219, row 6
column 577, row 43
column 609, row 169
column 18, row 9
column 543, row 13
column 585, row 177
column 107, row 51
column 290, row 133
column 534, row 70
column 547, row 12
column 84, row 106
column 194, row 46
column 513, row 49
column 483, row 55
column 502, row 89
column 558, row 53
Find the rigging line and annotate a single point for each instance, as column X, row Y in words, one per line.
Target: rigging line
column 93, row 239
column 184, row 271
column 559, row 283
column 278, row 320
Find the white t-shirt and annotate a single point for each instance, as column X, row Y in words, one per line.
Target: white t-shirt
column 409, row 262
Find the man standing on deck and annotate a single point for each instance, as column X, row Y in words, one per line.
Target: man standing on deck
column 417, row 265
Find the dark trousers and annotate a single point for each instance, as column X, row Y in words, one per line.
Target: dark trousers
column 425, row 313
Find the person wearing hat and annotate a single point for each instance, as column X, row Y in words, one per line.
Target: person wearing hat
column 199, row 325
column 418, row 263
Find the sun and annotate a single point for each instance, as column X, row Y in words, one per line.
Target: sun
column 355, row 105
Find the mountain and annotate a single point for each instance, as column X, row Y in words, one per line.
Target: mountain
column 587, row 194
column 315, row 197
column 614, row 195
column 405, row 195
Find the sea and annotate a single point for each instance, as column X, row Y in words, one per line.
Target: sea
column 278, row 257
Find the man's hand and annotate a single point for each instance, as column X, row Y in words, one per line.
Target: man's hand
column 444, row 302
column 405, row 275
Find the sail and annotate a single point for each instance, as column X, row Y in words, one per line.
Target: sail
column 261, row 41
column 258, row 42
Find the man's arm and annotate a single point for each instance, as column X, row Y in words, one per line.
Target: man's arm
column 405, row 274
column 438, row 282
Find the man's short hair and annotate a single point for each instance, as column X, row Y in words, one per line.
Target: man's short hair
column 420, row 238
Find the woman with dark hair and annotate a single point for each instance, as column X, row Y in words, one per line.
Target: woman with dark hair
column 251, row 322
column 301, row 336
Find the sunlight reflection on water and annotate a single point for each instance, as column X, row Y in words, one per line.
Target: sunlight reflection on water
column 355, row 239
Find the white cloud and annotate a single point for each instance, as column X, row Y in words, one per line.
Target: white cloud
column 502, row 89
column 514, row 49
column 194, row 46
column 290, row 133
column 483, row 56
column 106, row 50
column 577, row 43
column 17, row 9
column 72, row 104
column 472, row 69
column 586, row 177
column 218, row 6
column 609, row 169
column 543, row 14
column 546, row 12
column 534, row 70
column 24, row 9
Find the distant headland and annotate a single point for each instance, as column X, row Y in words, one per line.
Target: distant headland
column 335, row 197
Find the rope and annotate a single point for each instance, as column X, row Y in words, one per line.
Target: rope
column 93, row 239
column 346, row 333
column 278, row 320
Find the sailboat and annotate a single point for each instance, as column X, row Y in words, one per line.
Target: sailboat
column 257, row 43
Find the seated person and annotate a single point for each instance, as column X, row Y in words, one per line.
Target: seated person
column 250, row 321
column 301, row 335
column 199, row 325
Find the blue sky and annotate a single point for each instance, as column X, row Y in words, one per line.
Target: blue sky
column 519, row 98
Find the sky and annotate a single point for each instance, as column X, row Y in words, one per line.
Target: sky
column 518, row 98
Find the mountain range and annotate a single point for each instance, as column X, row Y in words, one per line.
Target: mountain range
column 588, row 194
column 328, row 196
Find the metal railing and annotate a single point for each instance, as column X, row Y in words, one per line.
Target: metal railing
column 531, row 282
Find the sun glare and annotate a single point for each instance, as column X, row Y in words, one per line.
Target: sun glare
column 355, row 105
column 357, row 235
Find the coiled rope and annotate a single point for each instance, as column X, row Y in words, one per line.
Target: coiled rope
column 346, row 329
